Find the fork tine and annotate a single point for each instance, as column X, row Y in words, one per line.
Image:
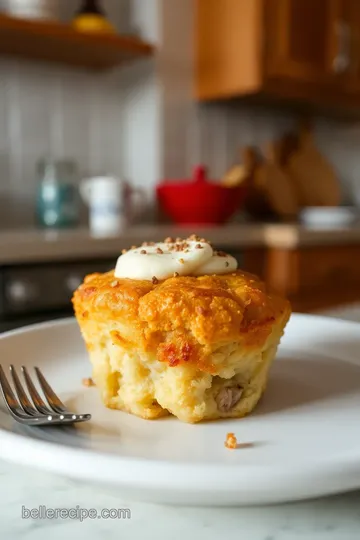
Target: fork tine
column 24, row 400
column 38, row 402
column 44, row 417
column 49, row 393
column 9, row 397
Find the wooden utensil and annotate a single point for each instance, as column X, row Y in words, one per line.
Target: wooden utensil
column 275, row 184
column 288, row 145
column 257, row 203
column 313, row 177
column 241, row 172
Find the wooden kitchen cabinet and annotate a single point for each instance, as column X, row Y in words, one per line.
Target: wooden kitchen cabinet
column 315, row 278
column 301, row 39
column 297, row 49
column 228, row 41
column 351, row 33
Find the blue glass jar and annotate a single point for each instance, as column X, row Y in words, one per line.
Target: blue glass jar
column 57, row 198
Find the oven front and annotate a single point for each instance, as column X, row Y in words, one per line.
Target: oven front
column 41, row 292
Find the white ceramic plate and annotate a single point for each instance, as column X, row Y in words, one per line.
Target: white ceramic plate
column 302, row 441
column 328, row 217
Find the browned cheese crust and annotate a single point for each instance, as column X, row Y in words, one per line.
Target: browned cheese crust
column 182, row 319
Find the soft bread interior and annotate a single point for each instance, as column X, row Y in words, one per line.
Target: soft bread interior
column 139, row 384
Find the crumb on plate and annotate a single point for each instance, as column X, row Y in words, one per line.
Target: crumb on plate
column 231, row 441
column 87, row 381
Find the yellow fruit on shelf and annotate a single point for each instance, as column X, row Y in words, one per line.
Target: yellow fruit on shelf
column 91, row 18
column 92, row 23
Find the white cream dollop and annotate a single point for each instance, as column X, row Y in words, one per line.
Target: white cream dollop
column 165, row 259
column 217, row 264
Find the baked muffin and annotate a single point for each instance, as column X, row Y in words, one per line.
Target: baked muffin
column 177, row 329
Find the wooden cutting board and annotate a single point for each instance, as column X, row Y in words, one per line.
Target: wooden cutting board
column 276, row 185
column 313, row 177
column 243, row 171
column 256, row 203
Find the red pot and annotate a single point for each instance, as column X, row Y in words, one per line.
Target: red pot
column 199, row 201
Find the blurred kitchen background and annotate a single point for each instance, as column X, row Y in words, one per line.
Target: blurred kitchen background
column 131, row 120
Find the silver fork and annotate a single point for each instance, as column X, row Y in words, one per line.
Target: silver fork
column 35, row 412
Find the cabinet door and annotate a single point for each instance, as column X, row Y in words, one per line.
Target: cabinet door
column 303, row 39
column 351, row 79
column 228, row 37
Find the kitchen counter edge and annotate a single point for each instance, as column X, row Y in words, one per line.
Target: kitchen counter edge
column 22, row 247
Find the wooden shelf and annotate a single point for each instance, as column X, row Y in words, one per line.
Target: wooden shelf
column 60, row 43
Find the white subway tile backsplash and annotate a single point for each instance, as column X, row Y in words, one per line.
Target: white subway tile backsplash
column 35, row 108
column 55, row 112
column 105, row 130
column 141, row 118
column 4, row 137
column 13, row 124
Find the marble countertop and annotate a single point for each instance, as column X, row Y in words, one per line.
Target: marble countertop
column 29, row 246
column 335, row 518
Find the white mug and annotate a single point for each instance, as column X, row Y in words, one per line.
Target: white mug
column 32, row 9
column 109, row 200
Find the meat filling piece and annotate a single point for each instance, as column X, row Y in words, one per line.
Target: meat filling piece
column 228, row 397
